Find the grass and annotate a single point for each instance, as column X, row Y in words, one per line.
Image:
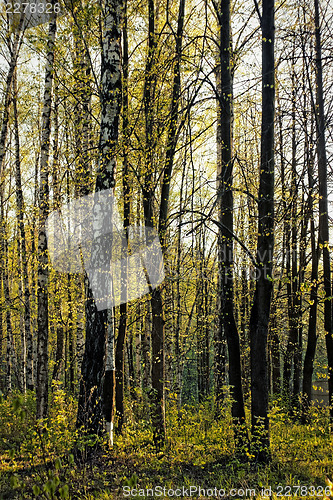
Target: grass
column 37, row 462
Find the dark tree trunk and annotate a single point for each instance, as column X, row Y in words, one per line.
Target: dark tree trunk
column 275, row 354
column 312, row 326
column 25, row 277
column 120, row 355
column 2, row 385
column 157, row 371
column 14, row 51
column 13, row 46
column 225, row 204
column 131, row 365
column 158, row 364
column 83, row 175
column 59, row 353
column 7, row 301
column 315, row 255
column 82, row 113
column 323, row 205
column 202, row 320
column 260, row 312
column 292, row 273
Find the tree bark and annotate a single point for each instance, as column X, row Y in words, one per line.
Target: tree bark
column 158, row 333
column 120, row 355
column 225, row 207
column 6, row 293
column 292, row 255
column 312, row 325
column 323, row 205
column 14, row 52
column 315, row 256
column 260, row 312
column 43, row 271
column 23, row 250
column 13, row 47
column 97, row 388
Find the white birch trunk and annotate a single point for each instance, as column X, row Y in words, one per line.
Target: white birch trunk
column 42, row 285
column 100, row 324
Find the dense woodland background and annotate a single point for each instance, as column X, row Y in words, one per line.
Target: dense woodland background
column 212, row 122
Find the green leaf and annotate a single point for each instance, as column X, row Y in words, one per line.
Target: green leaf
column 18, row 402
column 64, row 491
column 36, row 490
column 58, row 464
column 14, row 482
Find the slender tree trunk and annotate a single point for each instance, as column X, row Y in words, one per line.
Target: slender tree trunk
column 323, row 205
column 83, row 178
column 34, row 231
column 23, row 347
column 43, row 272
column 82, row 115
column 70, row 324
column 6, row 292
column 275, row 354
column 120, row 358
column 157, row 375
column 177, row 343
column 138, row 348
column 260, row 312
column 14, row 51
column 243, row 332
column 2, row 385
column 158, row 333
column 225, row 204
column 292, row 285
column 145, row 327
column 131, row 364
column 56, row 186
column 70, row 330
column 157, row 337
column 312, row 325
column 59, row 352
column 1, row 325
column 301, row 275
column 315, row 256
column 200, row 322
column 219, row 337
column 23, row 250
column 13, row 47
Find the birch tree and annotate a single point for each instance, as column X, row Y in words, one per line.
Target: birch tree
column 14, row 40
column 43, row 272
column 97, row 388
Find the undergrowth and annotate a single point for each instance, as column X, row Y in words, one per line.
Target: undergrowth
column 37, row 459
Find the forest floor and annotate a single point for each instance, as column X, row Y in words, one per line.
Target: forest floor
column 37, row 463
